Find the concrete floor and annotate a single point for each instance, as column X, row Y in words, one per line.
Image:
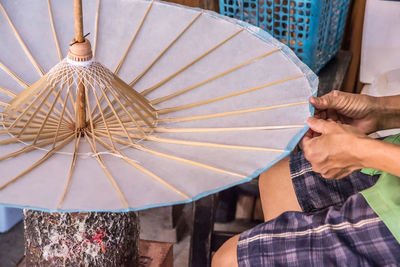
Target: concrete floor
column 12, row 246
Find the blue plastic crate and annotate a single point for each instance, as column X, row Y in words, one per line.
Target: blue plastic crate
column 313, row 29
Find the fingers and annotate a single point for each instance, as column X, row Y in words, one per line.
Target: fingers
column 306, row 138
column 320, row 126
column 336, row 173
column 328, row 101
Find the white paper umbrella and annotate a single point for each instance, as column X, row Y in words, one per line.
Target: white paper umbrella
column 178, row 103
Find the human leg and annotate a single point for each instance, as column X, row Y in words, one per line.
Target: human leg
column 226, row 256
column 276, row 190
column 347, row 235
column 312, row 192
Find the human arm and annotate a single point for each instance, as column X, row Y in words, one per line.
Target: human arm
column 341, row 149
column 336, row 144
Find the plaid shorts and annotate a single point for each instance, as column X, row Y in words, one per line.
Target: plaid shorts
column 337, row 226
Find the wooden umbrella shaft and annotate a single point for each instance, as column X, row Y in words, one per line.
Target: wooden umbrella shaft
column 80, row 101
column 78, row 21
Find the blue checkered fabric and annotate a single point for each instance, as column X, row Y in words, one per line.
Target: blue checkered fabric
column 337, row 228
column 315, row 192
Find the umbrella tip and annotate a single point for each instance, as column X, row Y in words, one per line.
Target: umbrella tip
column 80, row 52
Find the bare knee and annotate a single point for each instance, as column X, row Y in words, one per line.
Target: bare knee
column 226, row 256
column 279, row 169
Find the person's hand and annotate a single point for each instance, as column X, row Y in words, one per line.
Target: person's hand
column 360, row 111
column 335, row 153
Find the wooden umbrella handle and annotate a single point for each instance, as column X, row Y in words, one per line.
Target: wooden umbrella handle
column 78, row 21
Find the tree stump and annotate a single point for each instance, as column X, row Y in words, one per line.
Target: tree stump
column 81, row 239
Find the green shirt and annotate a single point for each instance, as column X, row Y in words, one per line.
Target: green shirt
column 384, row 196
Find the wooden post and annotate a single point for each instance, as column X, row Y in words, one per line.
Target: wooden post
column 81, row 239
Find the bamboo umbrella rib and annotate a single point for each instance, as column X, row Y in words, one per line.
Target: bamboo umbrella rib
column 71, row 169
column 34, row 147
column 201, row 144
column 48, row 114
column 92, row 127
column 116, row 116
column 29, row 132
column 209, row 130
column 35, row 112
column 71, row 99
column 149, row 90
column 219, row 98
column 20, row 81
column 36, row 164
column 146, row 171
column 126, row 111
column 206, row 144
column 122, row 107
column 27, row 138
column 120, row 133
column 229, row 113
column 7, row 92
column 136, row 110
column 104, row 120
column 115, row 123
column 32, row 126
column 25, row 48
column 142, row 101
column 39, row 121
column 229, row 129
column 164, row 51
column 25, row 85
column 93, row 87
column 155, row 177
column 191, row 162
column 61, row 117
column 13, row 75
column 71, row 118
column 167, row 97
column 95, row 108
column 176, row 158
column 133, row 38
column 96, row 28
column 109, row 114
column 90, row 115
column 52, row 118
column 38, row 97
column 108, row 174
column 4, row 104
column 53, row 29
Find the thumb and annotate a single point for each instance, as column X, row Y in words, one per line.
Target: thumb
column 319, row 126
column 327, row 101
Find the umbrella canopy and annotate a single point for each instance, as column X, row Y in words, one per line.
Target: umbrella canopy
column 161, row 104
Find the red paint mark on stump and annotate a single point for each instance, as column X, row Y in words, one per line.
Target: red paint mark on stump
column 98, row 238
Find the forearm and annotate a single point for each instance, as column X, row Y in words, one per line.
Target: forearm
column 388, row 110
column 380, row 155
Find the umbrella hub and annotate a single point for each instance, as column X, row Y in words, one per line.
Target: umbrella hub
column 80, row 52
